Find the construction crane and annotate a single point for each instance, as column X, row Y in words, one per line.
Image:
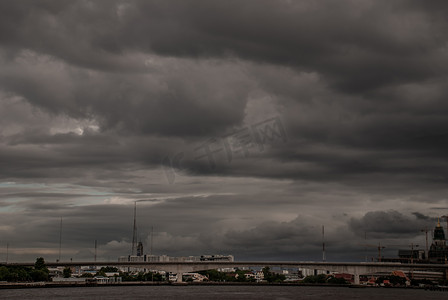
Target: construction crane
column 412, row 245
column 379, row 247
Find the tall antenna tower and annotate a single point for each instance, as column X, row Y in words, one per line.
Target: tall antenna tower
column 94, row 258
column 426, row 249
column 151, row 241
column 365, row 244
column 60, row 240
column 323, row 244
column 134, row 233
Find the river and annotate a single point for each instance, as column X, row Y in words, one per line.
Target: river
column 220, row 292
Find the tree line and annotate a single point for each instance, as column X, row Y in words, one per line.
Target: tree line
column 25, row 274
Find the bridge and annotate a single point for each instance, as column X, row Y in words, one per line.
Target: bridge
column 354, row 268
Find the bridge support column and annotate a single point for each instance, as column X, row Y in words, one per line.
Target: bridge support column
column 356, row 278
column 179, row 277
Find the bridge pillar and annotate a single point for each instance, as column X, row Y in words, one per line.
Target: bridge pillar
column 356, row 278
column 179, row 277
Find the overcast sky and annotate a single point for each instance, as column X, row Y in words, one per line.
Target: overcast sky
column 244, row 126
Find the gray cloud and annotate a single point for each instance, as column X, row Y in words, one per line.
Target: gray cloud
column 390, row 224
column 95, row 95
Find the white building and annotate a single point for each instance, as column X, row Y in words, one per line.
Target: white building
column 166, row 258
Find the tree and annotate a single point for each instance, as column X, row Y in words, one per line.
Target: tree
column 394, row 280
column 334, row 280
column 39, row 275
column 397, row 280
column 321, row 278
column 40, row 264
column 40, row 272
column 67, row 273
column 215, row 275
column 150, row 276
column 241, row 276
column 125, row 276
column 109, row 269
column 101, row 273
column 266, row 273
column 23, row 274
column 272, row 277
column 140, row 276
column 4, row 273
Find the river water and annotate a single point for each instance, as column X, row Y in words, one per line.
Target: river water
column 220, row 292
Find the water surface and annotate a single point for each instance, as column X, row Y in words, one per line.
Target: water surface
column 220, row 292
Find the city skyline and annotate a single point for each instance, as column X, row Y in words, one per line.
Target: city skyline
column 237, row 127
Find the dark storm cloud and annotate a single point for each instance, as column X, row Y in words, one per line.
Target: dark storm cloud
column 390, row 224
column 292, row 239
column 422, row 217
column 355, row 46
column 95, row 94
column 360, row 45
column 152, row 103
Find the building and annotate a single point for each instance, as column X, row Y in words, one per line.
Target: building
column 292, row 275
column 139, row 249
column 216, row 257
column 194, row 277
column 438, row 252
column 140, row 257
column 411, row 255
column 166, row 258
